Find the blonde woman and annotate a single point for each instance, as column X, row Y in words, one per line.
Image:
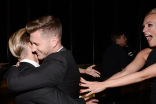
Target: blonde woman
column 131, row 73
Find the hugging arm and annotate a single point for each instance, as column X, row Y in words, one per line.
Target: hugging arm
column 33, row 79
column 48, row 74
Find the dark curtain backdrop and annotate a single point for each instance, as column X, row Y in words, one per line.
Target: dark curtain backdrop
column 87, row 24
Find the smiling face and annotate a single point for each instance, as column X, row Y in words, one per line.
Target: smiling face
column 150, row 29
column 41, row 46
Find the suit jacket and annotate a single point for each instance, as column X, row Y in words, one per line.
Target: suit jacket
column 57, row 78
column 114, row 59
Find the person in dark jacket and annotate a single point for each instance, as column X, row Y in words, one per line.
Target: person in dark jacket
column 114, row 60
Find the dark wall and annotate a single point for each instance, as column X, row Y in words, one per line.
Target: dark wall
column 3, row 34
column 87, row 24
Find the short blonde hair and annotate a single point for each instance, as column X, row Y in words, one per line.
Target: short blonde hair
column 18, row 44
column 153, row 11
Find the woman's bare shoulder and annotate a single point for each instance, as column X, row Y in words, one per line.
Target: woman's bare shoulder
column 145, row 52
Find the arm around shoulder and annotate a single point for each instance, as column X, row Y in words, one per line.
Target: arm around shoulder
column 43, row 76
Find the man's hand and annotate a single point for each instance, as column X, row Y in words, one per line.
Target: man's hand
column 91, row 101
column 92, row 72
column 17, row 64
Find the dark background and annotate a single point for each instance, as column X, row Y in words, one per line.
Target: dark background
column 87, row 24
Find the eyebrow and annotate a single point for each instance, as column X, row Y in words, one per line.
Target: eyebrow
column 147, row 23
column 33, row 43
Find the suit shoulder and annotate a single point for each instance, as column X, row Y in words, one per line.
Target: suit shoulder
column 57, row 57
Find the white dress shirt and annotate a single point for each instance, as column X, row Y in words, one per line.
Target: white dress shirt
column 60, row 49
column 31, row 62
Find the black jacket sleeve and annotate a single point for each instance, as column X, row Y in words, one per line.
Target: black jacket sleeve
column 50, row 74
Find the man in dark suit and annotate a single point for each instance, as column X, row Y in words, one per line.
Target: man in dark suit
column 18, row 45
column 114, row 60
column 58, row 69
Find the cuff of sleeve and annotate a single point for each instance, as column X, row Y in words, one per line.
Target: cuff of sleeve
column 80, row 97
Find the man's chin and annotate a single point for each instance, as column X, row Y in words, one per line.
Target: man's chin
column 40, row 58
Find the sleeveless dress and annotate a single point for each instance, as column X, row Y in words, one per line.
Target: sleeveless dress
column 152, row 60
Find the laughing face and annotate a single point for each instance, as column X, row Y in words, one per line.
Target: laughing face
column 150, row 29
column 41, row 46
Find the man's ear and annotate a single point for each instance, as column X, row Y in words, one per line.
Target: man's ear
column 29, row 44
column 54, row 41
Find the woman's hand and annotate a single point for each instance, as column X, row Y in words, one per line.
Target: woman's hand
column 92, row 87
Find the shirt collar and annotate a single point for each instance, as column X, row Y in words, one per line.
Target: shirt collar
column 31, row 62
column 60, row 49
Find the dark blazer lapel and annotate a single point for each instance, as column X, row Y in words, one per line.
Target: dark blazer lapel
column 25, row 64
